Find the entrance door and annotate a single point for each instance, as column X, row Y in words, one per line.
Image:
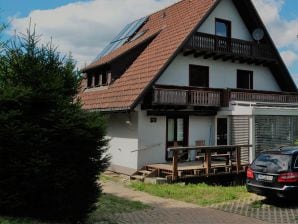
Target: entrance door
column 222, row 131
column 177, row 131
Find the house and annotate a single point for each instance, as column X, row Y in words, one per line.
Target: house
column 200, row 72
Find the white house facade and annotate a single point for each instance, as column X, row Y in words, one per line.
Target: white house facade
column 223, row 84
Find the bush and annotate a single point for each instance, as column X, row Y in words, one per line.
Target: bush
column 51, row 151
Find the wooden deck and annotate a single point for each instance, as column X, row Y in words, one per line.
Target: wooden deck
column 195, row 168
column 210, row 161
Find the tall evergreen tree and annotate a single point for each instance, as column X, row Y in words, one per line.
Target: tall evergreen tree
column 51, row 150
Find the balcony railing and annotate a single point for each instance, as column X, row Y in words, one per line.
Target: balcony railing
column 210, row 97
column 229, row 46
column 263, row 96
column 183, row 96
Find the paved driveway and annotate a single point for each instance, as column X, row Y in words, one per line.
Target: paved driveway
column 171, row 211
column 276, row 212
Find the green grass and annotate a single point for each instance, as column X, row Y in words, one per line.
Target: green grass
column 256, row 204
column 4, row 220
column 107, row 206
column 110, row 205
column 201, row 194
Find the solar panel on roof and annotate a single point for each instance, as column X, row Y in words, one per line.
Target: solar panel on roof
column 127, row 32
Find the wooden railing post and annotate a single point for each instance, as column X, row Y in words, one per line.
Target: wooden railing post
column 238, row 159
column 207, row 162
column 175, row 163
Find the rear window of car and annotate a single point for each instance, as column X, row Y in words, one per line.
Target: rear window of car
column 296, row 163
column 272, row 163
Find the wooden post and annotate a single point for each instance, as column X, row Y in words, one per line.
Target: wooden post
column 175, row 163
column 207, row 162
column 238, row 159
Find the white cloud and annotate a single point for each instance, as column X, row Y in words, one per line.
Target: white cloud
column 289, row 57
column 84, row 28
column 284, row 32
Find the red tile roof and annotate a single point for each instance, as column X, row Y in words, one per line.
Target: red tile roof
column 172, row 29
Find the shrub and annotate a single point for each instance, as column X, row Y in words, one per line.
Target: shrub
column 51, row 150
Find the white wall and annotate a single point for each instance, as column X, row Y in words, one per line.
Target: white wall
column 201, row 128
column 152, row 139
column 124, row 139
column 227, row 11
column 221, row 74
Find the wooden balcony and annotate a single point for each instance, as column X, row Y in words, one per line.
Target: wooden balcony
column 186, row 96
column 262, row 96
column 207, row 45
column 164, row 95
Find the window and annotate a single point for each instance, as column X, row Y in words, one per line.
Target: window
column 296, row 163
column 96, row 80
column 223, row 28
column 104, row 80
column 198, row 76
column 89, row 80
column 177, row 131
column 244, row 79
column 272, row 163
column 222, row 131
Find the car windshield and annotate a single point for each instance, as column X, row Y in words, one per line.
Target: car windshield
column 272, row 163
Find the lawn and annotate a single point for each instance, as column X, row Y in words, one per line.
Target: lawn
column 110, row 205
column 201, row 194
column 106, row 208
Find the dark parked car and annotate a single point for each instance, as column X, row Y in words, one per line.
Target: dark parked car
column 274, row 174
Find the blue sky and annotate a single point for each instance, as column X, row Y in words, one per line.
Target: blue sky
column 22, row 8
column 60, row 19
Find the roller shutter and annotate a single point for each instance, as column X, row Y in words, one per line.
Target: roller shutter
column 275, row 131
column 239, row 134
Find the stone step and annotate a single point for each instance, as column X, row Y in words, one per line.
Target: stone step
column 145, row 172
column 137, row 177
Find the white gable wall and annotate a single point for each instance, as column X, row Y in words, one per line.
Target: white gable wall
column 221, row 74
column 226, row 10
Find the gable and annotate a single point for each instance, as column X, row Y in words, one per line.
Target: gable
column 226, row 10
column 175, row 26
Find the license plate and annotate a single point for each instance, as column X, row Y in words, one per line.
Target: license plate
column 265, row 177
